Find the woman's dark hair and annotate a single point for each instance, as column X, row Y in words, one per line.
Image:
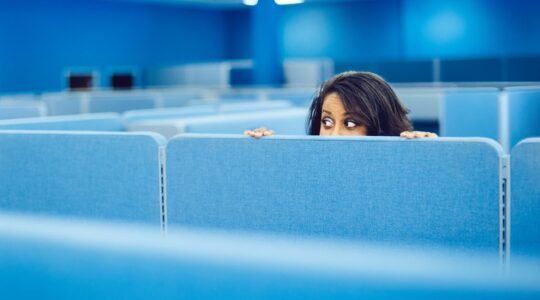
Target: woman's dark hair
column 367, row 98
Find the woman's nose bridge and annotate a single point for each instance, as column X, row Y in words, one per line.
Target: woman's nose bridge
column 338, row 130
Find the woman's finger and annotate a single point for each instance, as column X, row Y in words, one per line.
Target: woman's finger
column 407, row 134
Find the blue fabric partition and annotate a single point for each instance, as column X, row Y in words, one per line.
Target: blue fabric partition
column 525, row 198
column 470, row 112
column 202, row 109
column 112, row 102
column 439, row 192
column 112, row 176
column 523, row 110
column 238, row 96
column 142, row 115
column 58, row 259
column 16, row 111
column 288, row 121
column 282, row 121
column 253, row 106
column 298, row 97
column 91, row 122
column 176, row 98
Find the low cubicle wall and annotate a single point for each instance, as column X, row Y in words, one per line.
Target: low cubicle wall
column 59, row 259
column 289, row 121
column 86, row 122
column 443, row 192
column 525, row 198
column 429, row 193
column 111, row 176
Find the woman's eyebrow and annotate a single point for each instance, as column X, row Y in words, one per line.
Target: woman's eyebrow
column 327, row 112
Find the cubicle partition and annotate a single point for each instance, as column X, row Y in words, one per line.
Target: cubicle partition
column 525, row 198
column 86, row 122
column 26, row 109
column 66, row 259
column 521, row 119
column 128, row 215
column 290, row 121
column 443, row 192
column 110, row 176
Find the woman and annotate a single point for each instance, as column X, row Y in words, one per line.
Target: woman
column 356, row 103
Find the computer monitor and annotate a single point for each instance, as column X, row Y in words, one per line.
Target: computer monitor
column 122, row 81
column 80, row 81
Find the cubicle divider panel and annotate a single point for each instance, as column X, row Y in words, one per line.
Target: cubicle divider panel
column 112, row 176
column 436, row 192
column 525, row 198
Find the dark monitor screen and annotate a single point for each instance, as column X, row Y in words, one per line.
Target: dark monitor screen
column 80, row 81
column 122, row 81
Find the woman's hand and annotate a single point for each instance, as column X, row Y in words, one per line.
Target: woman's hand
column 417, row 134
column 258, row 133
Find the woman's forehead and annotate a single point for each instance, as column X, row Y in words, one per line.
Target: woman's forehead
column 333, row 101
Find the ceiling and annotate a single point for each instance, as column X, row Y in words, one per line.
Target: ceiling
column 220, row 3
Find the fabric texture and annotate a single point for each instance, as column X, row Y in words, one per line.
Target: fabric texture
column 525, row 198
column 439, row 192
column 112, row 176
column 75, row 260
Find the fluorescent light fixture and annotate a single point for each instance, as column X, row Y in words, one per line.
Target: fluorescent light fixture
column 251, row 2
column 287, row 2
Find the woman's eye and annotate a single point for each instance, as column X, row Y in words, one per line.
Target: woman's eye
column 350, row 124
column 327, row 122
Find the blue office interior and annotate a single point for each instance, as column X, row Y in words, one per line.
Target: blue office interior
column 403, row 40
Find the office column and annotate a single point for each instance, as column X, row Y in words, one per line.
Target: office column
column 266, row 43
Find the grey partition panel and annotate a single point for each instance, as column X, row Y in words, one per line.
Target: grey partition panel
column 64, row 103
column 101, row 261
column 113, row 176
column 423, row 103
column 429, row 192
column 525, row 198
